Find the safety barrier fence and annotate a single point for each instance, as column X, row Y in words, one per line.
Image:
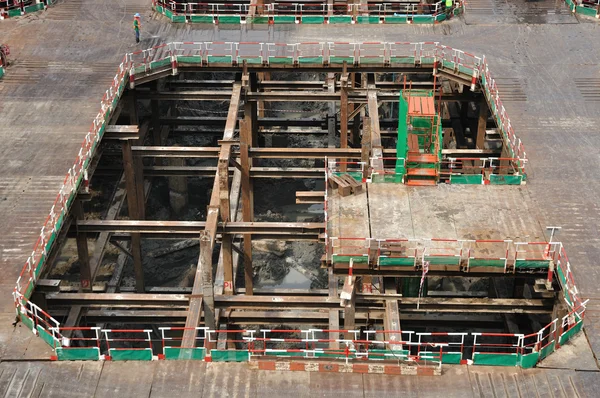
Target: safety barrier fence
column 590, row 8
column 16, row 8
column 515, row 147
column 307, row 13
column 306, row 53
column 496, row 255
column 168, row 56
column 502, row 349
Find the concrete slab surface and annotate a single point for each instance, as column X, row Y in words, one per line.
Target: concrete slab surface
column 64, row 60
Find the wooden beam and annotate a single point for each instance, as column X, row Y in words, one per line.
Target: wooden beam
column 246, row 143
column 392, row 322
column 203, row 280
column 376, row 148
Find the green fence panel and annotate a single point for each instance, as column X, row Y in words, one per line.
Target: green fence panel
column 258, row 19
column 159, row 9
column 397, row 261
column 420, row 19
column 529, row 360
column 356, row 175
column 139, row 69
column 591, row 12
column 440, row 17
column 47, row 337
column 310, row 60
column 402, row 60
column 125, row 354
column 34, row 8
column 549, row 349
column 452, row 358
column 443, row 260
column 178, row 18
column 230, row 355
column 340, row 19
column 185, row 59
column 532, row 263
column 173, row 353
column 161, row 63
column 250, row 60
column 469, row 179
column 14, row 13
column 570, row 4
column 448, row 64
column 396, row 19
column 496, row 179
column 286, row 354
column 313, row 20
column 229, row 19
column 495, row 359
column 486, row 262
column 218, row 59
column 78, row 354
column 168, row 13
column 566, row 336
column 1, row 72
column 371, row 60
column 368, row 19
column 281, row 60
column 336, row 258
column 27, row 321
column 340, row 60
column 202, row 19
column 277, row 19
column 393, row 178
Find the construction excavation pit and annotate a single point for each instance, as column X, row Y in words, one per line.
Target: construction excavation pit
column 347, row 203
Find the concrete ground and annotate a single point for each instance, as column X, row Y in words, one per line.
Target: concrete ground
column 547, row 65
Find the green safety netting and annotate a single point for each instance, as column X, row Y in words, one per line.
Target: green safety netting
column 396, row 19
column 411, row 286
column 47, row 337
column 230, row 355
column 283, row 19
column 340, row 258
column 368, row 19
column 547, row 350
column 496, row 179
column 126, row 354
column 480, row 358
column 397, row 261
column 566, row 336
column 312, row 20
column 590, row 12
column 420, row 19
column 229, row 19
column 529, row 360
column 202, row 19
column 532, row 264
column 173, row 353
column 487, row 262
column 258, row 19
column 341, row 19
column 468, row 179
column 78, row 353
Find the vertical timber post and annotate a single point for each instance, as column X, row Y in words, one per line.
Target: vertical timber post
column 247, row 194
column 82, row 251
column 344, row 111
column 131, row 183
